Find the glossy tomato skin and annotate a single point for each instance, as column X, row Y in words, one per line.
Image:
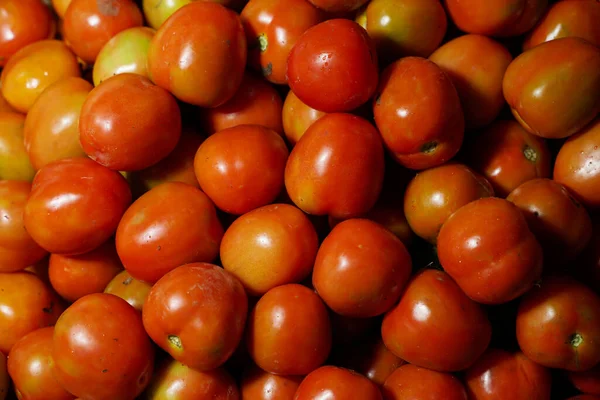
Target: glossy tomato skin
column 412, row 382
column 337, row 167
column 289, row 332
column 552, row 89
column 500, row 374
column 339, row 383
column 433, row 306
column 129, row 289
column 31, row 367
column 116, row 360
column 196, row 313
column 4, row 377
column 558, row 325
column 586, row 381
column 171, row 225
column 202, row 64
column 75, row 205
column 297, row 117
column 436, row 121
column 14, row 160
column 333, row 66
column 257, row 384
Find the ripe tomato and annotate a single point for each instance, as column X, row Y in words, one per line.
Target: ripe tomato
column 433, row 308
column 338, row 383
column 32, row 369
column 338, row 6
column 14, row 161
column 4, row 378
column 196, row 313
column 297, row 117
column 333, row 66
column 201, row 64
column 586, row 381
column 337, row 167
column 157, row 11
column 289, row 332
column 257, row 384
column 75, row 205
column 558, row 325
column 412, row 382
column 436, row 121
column 129, row 289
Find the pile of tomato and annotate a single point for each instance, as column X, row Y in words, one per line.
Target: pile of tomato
column 300, row 200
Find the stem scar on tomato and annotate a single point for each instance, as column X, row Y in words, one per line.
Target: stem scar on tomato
column 267, row 70
column 175, row 341
column 530, row 153
column 262, row 42
column 429, row 147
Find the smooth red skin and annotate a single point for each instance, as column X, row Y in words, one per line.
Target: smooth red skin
column 17, row 249
column 333, row 66
column 127, row 123
column 553, row 88
column 201, row 64
column 548, row 318
column 435, row 122
column 338, row 383
column 129, row 289
column 567, row 18
column 586, row 381
column 434, row 307
column 257, row 384
column 339, row 6
column 476, row 65
column 410, row 382
column 361, row 269
column 4, row 378
column 499, row 374
column 100, row 349
column 204, row 307
column 27, row 304
column 31, row 368
column 289, row 332
column 297, row 117
column 337, row 167
column 89, row 24
column 171, row 225
column 577, row 165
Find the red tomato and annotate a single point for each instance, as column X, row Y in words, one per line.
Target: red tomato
column 297, row 117
column 433, row 308
column 436, row 121
column 333, row 66
column 4, row 378
column 338, row 5
column 129, row 289
column 586, row 381
column 412, row 382
column 257, row 384
column 337, row 383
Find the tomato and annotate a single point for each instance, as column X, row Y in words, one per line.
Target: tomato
column 100, row 349
column 297, row 117
column 289, row 332
column 338, row 383
column 436, row 121
column 171, row 225
column 75, row 205
column 60, row 7
column 586, row 381
column 157, row 11
column 4, row 378
column 14, row 161
column 338, row 6
column 434, row 309
column 337, row 167
column 32, row 369
column 33, row 68
column 508, row 156
column 553, row 89
column 51, row 127
column 129, row 289
column 202, row 64
column 577, row 165
column 333, row 66
column 23, row 22
column 26, row 304
column 257, row 384
column 126, row 52
column 476, row 65
column 558, row 325
column 197, row 313
column 412, row 382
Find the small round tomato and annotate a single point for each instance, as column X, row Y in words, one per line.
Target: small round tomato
column 476, row 65
column 100, row 349
column 52, row 124
column 33, row 68
column 32, row 369
column 499, row 374
column 4, row 378
column 338, row 383
column 202, row 64
column 75, row 205
column 289, row 332
column 435, row 194
column 412, row 382
column 333, row 66
column 339, row 6
column 436, row 121
column 297, row 117
column 14, row 160
column 158, row 11
column 126, row 52
column 129, row 289
column 26, row 304
column 554, row 88
column 558, row 325
column 337, row 167
column 434, row 309
column 586, row 381
column 257, row 384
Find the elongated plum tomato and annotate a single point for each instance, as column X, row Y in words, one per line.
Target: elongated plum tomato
column 297, row 117
column 129, row 289
column 4, row 378
column 202, row 64
column 554, row 89
column 337, row 167
column 333, row 66
column 144, row 130
column 412, row 382
column 434, row 309
column 257, row 384
column 341, row 383
column 436, row 121
column 75, row 205
column 14, row 160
